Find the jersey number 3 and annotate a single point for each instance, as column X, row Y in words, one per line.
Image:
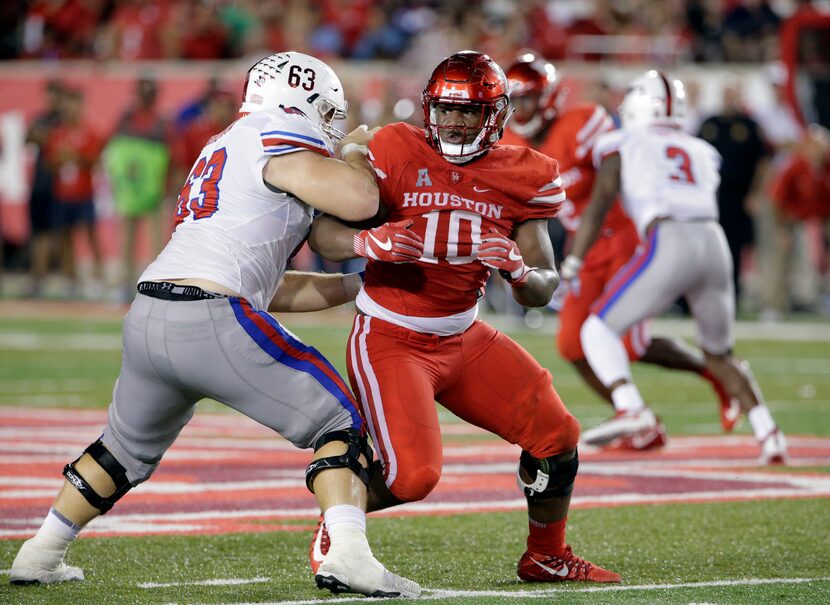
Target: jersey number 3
column 683, row 165
column 204, row 178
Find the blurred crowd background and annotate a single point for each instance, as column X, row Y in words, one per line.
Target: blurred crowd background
column 407, row 30
column 106, row 103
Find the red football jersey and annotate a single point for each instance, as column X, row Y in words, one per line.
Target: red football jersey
column 570, row 140
column 452, row 206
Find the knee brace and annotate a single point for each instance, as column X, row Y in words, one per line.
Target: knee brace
column 357, row 444
column 111, row 466
column 552, row 477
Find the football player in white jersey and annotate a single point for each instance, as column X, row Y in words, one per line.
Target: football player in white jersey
column 668, row 182
column 200, row 326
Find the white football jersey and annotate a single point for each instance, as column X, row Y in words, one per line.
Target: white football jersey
column 230, row 227
column 665, row 173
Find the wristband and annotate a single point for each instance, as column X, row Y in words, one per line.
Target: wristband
column 521, row 280
column 353, row 147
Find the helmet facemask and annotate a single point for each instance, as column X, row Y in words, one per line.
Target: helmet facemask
column 460, row 140
column 328, row 112
column 521, row 124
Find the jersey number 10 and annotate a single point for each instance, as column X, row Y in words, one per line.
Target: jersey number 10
column 463, row 234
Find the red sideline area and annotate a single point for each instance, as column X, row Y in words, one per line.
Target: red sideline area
column 228, row 474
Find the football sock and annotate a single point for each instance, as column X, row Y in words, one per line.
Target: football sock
column 604, row 351
column 761, row 421
column 627, row 398
column 346, row 525
column 547, row 538
column 345, row 514
column 56, row 533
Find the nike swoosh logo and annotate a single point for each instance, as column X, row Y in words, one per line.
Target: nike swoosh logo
column 562, row 572
column 477, row 190
column 316, row 552
column 387, row 245
column 513, row 256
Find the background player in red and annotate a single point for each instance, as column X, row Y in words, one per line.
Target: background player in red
column 459, row 207
column 801, row 193
column 72, row 151
column 542, row 123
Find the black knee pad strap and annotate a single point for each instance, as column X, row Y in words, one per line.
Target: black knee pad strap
column 553, row 477
column 111, row 466
column 357, row 444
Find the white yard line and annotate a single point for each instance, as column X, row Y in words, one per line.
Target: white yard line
column 27, row 341
column 436, row 594
column 215, row 582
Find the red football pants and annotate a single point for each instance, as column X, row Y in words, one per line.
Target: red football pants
column 481, row 376
column 605, row 257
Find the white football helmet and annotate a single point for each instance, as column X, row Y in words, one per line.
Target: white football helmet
column 653, row 98
column 295, row 80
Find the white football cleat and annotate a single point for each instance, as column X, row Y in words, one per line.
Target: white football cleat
column 343, row 571
column 36, row 565
column 774, row 448
column 621, row 425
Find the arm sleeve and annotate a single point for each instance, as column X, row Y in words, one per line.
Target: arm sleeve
column 547, row 193
column 607, row 144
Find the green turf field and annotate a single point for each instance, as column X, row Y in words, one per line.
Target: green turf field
column 775, row 551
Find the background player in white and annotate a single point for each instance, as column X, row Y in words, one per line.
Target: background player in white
column 668, row 181
column 199, row 326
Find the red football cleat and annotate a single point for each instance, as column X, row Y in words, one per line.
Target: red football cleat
column 651, row 438
column 536, row 567
column 730, row 407
column 319, row 547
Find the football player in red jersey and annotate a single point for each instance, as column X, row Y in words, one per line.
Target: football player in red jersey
column 458, row 207
column 542, row 123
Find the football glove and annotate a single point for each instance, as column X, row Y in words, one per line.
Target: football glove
column 502, row 254
column 568, row 281
column 391, row 243
column 570, row 268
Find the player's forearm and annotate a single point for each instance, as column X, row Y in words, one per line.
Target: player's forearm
column 605, row 190
column 539, row 289
column 331, row 239
column 589, row 227
column 303, row 292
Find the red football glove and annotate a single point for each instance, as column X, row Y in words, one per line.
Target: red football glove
column 501, row 253
column 391, row 243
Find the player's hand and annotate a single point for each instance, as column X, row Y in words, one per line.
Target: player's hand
column 502, row 254
column 359, row 139
column 391, row 243
column 570, row 268
column 568, row 282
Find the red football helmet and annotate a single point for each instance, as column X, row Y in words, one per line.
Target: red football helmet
column 466, row 78
column 533, row 76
